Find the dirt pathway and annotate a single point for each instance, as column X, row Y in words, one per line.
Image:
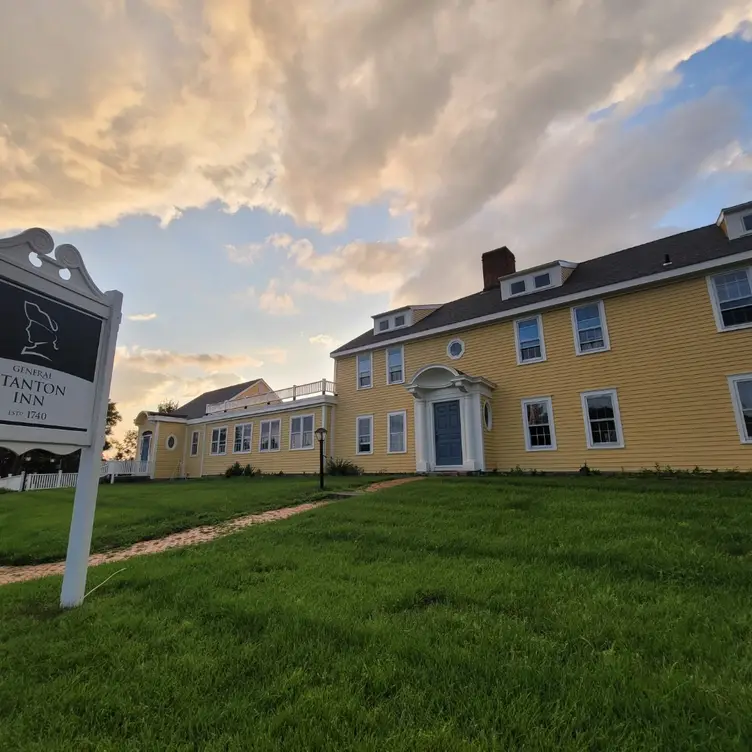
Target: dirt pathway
column 179, row 540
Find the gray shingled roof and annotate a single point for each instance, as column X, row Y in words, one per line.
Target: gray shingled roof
column 196, row 408
column 684, row 249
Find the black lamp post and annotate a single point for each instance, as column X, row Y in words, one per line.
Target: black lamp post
column 321, row 435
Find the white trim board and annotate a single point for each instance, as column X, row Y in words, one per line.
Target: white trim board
column 558, row 302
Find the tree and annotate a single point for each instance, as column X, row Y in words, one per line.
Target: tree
column 113, row 418
column 126, row 449
column 167, row 407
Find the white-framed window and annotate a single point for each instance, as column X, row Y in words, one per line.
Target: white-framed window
column 731, row 295
column 194, row 443
column 456, row 349
column 747, row 222
column 529, row 337
column 397, row 432
column 395, row 365
column 364, row 434
column 590, row 329
column 243, row 436
column 602, row 419
column 365, row 369
column 517, row 288
column 301, row 432
column 383, row 325
column 399, row 320
column 269, row 435
column 171, row 442
column 542, row 280
column 487, row 416
column 218, row 441
column 741, row 396
column 538, row 421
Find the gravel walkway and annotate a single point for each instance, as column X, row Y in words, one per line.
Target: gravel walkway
column 178, row 540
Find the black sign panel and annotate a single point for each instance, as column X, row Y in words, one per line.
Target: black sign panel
column 46, row 334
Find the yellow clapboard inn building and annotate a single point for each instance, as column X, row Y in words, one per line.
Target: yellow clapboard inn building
column 638, row 357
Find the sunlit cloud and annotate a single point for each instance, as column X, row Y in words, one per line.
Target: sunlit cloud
column 142, row 317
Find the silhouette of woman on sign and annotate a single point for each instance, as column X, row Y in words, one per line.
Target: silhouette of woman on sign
column 41, row 332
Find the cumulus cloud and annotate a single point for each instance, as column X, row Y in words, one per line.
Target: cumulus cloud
column 276, row 303
column 246, row 254
column 326, row 340
column 142, row 317
column 312, row 106
column 474, row 117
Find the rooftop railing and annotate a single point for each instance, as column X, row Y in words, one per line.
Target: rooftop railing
column 275, row 397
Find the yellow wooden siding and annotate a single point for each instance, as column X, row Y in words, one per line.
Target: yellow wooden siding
column 289, row 461
column 168, row 463
column 378, row 401
column 667, row 362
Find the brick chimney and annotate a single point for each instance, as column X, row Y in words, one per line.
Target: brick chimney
column 497, row 263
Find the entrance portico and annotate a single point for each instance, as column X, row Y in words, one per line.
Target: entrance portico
column 448, row 419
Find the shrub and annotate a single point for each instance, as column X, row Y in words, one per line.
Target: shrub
column 340, row 466
column 249, row 472
column 234, row 470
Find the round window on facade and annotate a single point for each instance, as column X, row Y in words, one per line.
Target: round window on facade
column 455, row 349
column 171, row 442
column 487, row 416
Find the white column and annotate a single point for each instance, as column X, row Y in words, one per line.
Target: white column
column 479, row 433
column 421, row 444
column 153, row 449
column 468, row 445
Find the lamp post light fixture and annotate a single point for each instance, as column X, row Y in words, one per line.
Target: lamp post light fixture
column 321, row 435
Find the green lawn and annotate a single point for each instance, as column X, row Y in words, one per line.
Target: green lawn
column 455, row 614
column 34, row 525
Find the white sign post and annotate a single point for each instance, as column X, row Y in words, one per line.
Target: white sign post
column 58, row 333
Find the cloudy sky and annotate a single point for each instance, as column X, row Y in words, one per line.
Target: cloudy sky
column 259, row 177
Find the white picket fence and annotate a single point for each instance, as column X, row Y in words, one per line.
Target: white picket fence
column 12, row 482
column 46, row 481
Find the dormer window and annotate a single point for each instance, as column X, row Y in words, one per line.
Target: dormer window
column 542, row 277
column 736, row 221
column 398, row 319
column 542, row 280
